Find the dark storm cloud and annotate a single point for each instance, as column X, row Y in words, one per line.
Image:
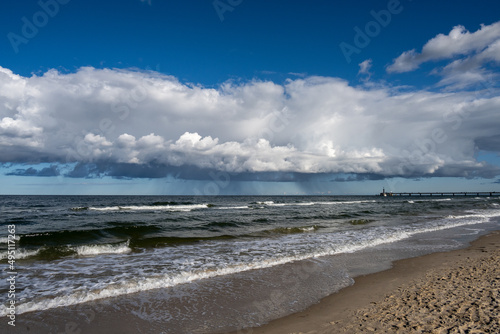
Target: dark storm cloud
column 45, row 172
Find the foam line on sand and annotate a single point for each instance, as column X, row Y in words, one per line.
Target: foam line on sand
column 450, row 292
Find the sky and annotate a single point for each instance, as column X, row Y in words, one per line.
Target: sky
column 205, row 97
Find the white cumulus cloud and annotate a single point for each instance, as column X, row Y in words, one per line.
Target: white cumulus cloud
column 110, row 117
column 469, row 52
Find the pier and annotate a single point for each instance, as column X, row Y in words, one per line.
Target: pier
column 446, row 193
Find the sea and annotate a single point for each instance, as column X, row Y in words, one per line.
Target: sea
column 202, row 264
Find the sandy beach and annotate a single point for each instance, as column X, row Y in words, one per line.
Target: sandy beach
column 450, row 292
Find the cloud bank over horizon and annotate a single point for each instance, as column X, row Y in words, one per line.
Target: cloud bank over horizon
column 132, row 123
column 311, row 125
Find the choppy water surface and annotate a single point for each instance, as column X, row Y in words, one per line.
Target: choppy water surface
column 74, row 249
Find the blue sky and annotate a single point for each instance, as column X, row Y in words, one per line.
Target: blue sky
column 248, row 97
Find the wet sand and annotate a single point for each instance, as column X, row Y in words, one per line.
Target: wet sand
column 450, row 292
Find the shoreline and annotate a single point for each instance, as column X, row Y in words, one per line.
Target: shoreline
column 352, row 309
column 413, row 289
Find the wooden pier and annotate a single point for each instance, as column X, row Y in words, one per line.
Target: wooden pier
column 449, row 193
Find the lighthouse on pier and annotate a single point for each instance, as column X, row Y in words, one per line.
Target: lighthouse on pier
column 384, row 194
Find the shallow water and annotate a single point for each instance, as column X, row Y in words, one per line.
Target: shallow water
column 218, row 263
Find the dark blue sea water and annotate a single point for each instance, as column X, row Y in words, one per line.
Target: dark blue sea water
column 77, row 249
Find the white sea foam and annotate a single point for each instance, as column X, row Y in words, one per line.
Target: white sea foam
column 134, row 284
column 202, row 264
column 431, row 199
column 138, row 285
column 266, row 203
column 290, row 204
column 4, row 240
column 346, row 202
column 233, row 207
column 107, row 208
column 85, row 250
column 79, row 208
column 88, row 250
column 20, row 253
column 152, row 207
column 294, row 229
column 271, row 203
